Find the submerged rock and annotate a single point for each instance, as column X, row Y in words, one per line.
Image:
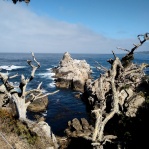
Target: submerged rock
column 72, row 73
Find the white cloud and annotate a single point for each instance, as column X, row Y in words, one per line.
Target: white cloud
column 24, row 31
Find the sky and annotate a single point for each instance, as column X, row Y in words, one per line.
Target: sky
column 74, row 26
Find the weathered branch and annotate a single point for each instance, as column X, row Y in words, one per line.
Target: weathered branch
column 98, row 116
column 127, row 59
column 39, row 86
column 20, row 98
column 11, row 77
column 34, row 68
column 4, row 78
column 115, row 91
column 24, row 81
column 98, row 135
column 122, row 49
column 102, row 68
column 114, row 54
column 38, row 96
column 110, row 61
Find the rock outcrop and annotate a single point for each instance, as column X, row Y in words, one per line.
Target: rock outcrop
column 42, row 129
column 79, row 128
column 72, row 73
column 16, row 134
column 39, row 105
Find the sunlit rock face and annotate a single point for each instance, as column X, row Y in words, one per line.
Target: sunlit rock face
column 72, row 73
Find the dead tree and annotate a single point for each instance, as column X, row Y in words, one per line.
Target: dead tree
column 19, row 98
column 101, row 120
column 116, row 86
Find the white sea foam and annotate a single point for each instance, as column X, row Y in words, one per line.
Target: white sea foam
column 92, row 67
column 44, row 91
column 16, row 84
column 54, row 65
column 48, row 75
column 52, row 85
column 44, row 113
column 49, row 69
column 11, row 67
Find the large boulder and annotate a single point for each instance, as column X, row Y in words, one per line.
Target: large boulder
column 79, row 128
column 72, row 73
column 39, row 105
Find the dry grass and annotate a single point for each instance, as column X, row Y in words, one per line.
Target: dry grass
column 13, row 133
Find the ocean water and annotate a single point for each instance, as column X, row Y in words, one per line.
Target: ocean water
column 63, row 106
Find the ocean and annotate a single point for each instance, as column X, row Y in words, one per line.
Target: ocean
column 63, row 106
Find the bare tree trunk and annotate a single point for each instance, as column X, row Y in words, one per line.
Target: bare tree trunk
column 19, row 99
column 20, row 106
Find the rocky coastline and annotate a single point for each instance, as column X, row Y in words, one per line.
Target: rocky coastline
column 117, row 98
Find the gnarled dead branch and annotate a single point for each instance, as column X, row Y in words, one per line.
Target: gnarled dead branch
column 117, row 85
column 19, row 98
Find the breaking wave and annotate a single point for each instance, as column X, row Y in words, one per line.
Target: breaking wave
column 11, row 67
column 48, row 75
column 51, row 85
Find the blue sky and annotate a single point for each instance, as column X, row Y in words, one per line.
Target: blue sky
column 76, row 26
